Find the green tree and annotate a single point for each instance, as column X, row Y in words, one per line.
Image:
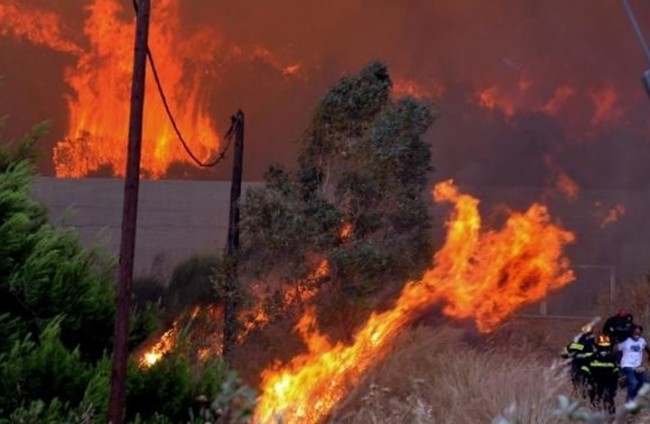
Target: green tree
column 45, row 273
column 57, row 305
column 363, row 163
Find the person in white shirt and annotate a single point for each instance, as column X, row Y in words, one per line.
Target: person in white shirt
column 632, row 361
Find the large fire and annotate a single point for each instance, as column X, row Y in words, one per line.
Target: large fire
column 98, row 107
column 483, row 275
column 98, row 112
column 480, row 274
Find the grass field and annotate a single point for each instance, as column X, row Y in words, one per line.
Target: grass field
column 442, row 375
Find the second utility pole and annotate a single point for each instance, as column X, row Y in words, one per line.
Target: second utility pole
column 129, row 218
column 232, row 246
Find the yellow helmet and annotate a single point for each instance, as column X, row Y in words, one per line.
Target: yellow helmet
column 603, row 341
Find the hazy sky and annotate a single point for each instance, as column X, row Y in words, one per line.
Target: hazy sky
column 524, row 89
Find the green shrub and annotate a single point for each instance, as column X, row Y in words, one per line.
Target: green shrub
column 148, row 289
column 172, row 387
column 42, row 370
column 56, row 327
column 54, row 412
column 191, row 284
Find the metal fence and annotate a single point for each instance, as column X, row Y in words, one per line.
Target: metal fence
column 593, row 288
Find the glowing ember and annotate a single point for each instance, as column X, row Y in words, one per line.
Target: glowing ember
column 613, row 215
column 555, row 103
column 291, row 69
column 485, row 276
column 164, row 345
column 605, row 102
column 491, row 98
column 296, row 295
column 346, row 231
column 266, row 56
column 206, row 323
column 567, row 186
column 405, row 87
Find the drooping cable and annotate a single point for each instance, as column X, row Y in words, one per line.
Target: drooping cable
column 637, row 29
column 228, row 136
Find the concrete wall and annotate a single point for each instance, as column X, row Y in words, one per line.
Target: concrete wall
column 176, row 219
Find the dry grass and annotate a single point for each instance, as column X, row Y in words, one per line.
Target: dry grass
column 433, row 376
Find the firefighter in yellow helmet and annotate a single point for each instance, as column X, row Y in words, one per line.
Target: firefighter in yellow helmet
column 602, row 370
column 577, row 353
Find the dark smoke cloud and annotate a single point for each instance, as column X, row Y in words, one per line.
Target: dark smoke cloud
column 463, row 46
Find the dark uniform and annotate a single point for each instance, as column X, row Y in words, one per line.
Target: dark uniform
column 603, row 372
column 619, row 327
column 579, row 351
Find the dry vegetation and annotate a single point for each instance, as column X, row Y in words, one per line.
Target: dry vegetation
column 435, row 376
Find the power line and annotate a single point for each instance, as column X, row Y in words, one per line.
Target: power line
column 196, row 160
column 637, row 29
column 228, row 136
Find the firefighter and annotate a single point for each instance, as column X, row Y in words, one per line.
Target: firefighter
column 578, row 352
column 619, row 327
column 602, row 370
column 632, row 362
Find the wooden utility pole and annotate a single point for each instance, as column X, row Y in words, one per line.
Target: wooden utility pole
column 232, row 246
column 129, row 218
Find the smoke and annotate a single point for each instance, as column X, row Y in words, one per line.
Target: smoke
column 515, row 82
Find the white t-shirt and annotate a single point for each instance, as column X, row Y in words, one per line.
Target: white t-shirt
column 632, row 352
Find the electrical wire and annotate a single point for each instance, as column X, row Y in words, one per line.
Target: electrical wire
column 637, row 29
column 228, row 136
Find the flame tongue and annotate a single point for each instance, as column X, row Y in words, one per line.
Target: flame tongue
column 481, row 275
column 307, row 388
column 487, row 276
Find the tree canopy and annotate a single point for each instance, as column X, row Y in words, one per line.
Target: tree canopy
column 57, row 306
column 357, row 195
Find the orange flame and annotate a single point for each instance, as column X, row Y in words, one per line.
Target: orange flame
column 98, row 118
column 491, row 98
column 567, row 186
column 209, row 339
column 265, row 55
column 346, row 231
column 613, row 215
column 487, row 276
column 481, row 275
column 41, row 28
column 560, row 97
column 297, row 294
column 406, row 87
column 605, row 102
column 165, row 344
column 98, row 110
